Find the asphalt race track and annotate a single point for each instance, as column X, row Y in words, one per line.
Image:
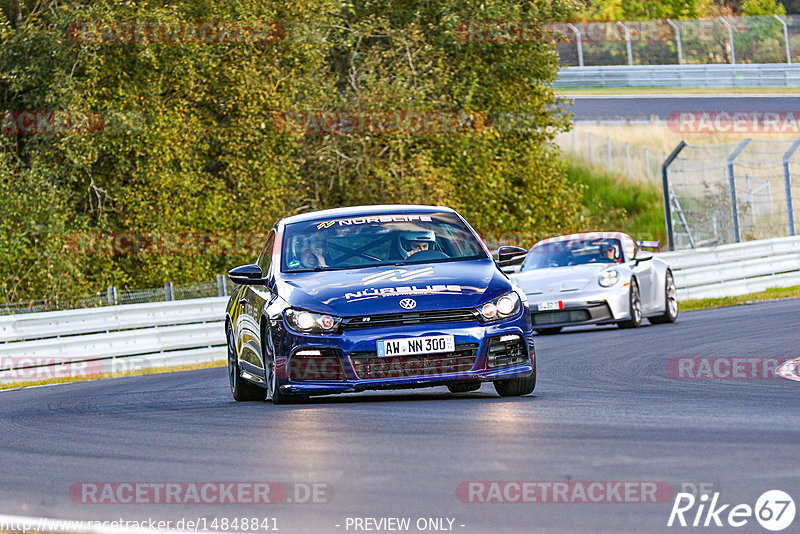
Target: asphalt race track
column 604, row 410
column 634, row 107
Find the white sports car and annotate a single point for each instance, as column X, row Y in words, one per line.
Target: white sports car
column 595, row 278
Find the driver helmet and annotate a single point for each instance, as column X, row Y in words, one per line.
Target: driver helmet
column 408, row 239
column 605, row 247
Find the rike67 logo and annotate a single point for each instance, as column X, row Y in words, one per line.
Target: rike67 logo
column 774, row 510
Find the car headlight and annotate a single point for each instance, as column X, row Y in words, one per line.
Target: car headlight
column 506, row 306
column 608, row 278
column 304, row 321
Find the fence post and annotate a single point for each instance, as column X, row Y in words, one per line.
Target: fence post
column 628, row 156
column 111, row 295
column 169, row 292
column 610, row 156
column 730, row 39
column 222, row 288
column 732, row 178
column 677, row 40
column 579, row 41
column 787, row 177
column 627, row 41
column 665, row 188
column 785, row 38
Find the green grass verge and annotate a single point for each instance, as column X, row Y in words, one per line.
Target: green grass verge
column 770, row 294
column 612, row 202
column 677, row 90
column 150, row 371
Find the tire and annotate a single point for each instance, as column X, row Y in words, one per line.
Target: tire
column 549, row 331
column 242, row 390
column 464, row 387
column 670, row 302
column 515, row 387
column 635, row 306
column 273, row 392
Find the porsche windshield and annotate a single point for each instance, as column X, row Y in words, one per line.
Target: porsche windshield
column 392, row 239
column 573, row 252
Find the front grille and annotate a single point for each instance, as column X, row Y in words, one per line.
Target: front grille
column 368, row 365
column 316, row 364
column 505, row 351
column 562, row 316
column 410, row 318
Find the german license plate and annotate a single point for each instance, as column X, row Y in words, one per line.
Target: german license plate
column 551, row 305
column 415, row 345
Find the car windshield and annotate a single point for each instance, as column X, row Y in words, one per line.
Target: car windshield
column 391, row 239
column 573, row 252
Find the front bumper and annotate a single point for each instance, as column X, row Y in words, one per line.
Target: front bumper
column 599, row 307
column 348, row 362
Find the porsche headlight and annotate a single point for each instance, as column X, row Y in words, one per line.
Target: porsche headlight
column 506, row 306
column 304, row 321
column 608, row 277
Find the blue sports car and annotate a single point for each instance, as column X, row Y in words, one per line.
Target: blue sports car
column 377, row 297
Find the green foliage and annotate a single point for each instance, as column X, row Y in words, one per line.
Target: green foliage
column 614, row 203
column 190, row 142
column 762, row 7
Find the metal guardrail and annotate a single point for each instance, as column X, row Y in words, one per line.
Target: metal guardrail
column 735, row 269
column 111, row 339
column 133, row 336
column 720, row 76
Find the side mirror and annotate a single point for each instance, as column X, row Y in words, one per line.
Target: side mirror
column 246, row 275
column 643, row 256
column 510, row 256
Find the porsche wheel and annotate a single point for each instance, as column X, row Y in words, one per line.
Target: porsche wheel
column 635, row 303
column 670, row 302
column 549, row 331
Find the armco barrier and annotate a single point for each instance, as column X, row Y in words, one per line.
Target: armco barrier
column 736, row 269
column 192, row 331
column 123, row 337
column 744, row 75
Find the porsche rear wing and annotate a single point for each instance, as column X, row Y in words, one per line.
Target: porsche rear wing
column 649, row 244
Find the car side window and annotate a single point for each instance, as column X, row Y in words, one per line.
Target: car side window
column 265, row 259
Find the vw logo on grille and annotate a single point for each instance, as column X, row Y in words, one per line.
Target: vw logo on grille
column 408, row 304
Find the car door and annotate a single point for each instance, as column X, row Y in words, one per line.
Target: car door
column 253, row 299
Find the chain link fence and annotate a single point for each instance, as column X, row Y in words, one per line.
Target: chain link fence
column 732, row 192
column 113, row 296
column 732, row 40
column 634, row 161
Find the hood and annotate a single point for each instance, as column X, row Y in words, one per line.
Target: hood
column 560, row 279
column 376, row 290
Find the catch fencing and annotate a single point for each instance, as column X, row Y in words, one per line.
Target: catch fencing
column 636, row 162
column 732, row 192
column 714, row 40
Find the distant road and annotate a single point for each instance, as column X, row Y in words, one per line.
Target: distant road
column 631, row 107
